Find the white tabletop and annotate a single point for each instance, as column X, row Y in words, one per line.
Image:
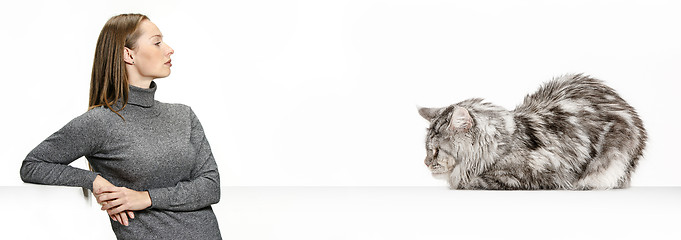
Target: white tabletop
column 41, row 212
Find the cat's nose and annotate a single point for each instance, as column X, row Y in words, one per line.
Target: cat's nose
column 428, row 161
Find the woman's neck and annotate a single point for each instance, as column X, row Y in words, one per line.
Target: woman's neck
column 140, row 83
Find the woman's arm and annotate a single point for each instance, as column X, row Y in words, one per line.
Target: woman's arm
column 204, row 188
column 48, row 163
column 201, row 191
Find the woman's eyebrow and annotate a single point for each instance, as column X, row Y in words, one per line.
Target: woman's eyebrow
column 157, row 35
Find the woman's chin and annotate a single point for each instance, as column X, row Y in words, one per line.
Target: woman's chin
column 163, row 75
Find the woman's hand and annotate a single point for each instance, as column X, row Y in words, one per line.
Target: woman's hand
column 116, row 200
column 98, row 186
column 123, row 217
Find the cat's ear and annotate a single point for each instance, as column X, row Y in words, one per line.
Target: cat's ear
column 430, row 113
column 461, row 120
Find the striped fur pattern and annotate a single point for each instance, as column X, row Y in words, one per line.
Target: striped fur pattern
column 574, row 133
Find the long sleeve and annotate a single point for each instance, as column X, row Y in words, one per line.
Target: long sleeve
column 48, row 162
column 204, row 187
column 148, row 146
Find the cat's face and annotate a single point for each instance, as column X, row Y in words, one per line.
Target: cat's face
column 439, row 158
column 447, row 131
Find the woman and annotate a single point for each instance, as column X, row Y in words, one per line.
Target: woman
column 153, row 170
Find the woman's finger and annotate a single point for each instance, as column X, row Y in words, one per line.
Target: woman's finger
column 131, row 214
column 108, row 196
column 116, row 210
column 103, row 198
column 106, row 189
column 100, row 200
column 111, row 204
column 124, row 217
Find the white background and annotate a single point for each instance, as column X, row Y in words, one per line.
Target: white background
column 324, row 93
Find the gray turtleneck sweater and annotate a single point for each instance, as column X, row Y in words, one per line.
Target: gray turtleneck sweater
column 159, row 147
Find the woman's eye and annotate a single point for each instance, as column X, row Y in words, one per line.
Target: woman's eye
column 157, row 44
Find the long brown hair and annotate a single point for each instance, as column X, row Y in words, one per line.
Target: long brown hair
column 109, row 82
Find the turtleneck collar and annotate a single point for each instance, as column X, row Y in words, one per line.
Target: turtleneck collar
column 143, row 97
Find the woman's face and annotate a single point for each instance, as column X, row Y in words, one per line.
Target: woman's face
column 151, row 55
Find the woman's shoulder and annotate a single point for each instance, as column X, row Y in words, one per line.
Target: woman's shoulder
column 177, row 108
column 98, row 115
column 91, row 121
column 173, row 105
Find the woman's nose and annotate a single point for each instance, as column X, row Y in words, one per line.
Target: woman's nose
column 171, row 52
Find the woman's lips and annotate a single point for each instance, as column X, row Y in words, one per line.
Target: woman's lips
column 169, row 64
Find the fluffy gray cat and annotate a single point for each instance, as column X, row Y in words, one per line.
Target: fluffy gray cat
column 575, row 133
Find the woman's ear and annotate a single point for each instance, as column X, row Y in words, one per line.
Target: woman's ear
column 128, row 56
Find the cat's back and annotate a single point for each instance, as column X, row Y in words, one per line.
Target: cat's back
column 572, row 93
column 584, row 124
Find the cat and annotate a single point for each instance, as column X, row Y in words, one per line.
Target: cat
column 574, row 133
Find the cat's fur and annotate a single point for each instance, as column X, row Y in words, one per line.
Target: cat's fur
column 574, row 133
